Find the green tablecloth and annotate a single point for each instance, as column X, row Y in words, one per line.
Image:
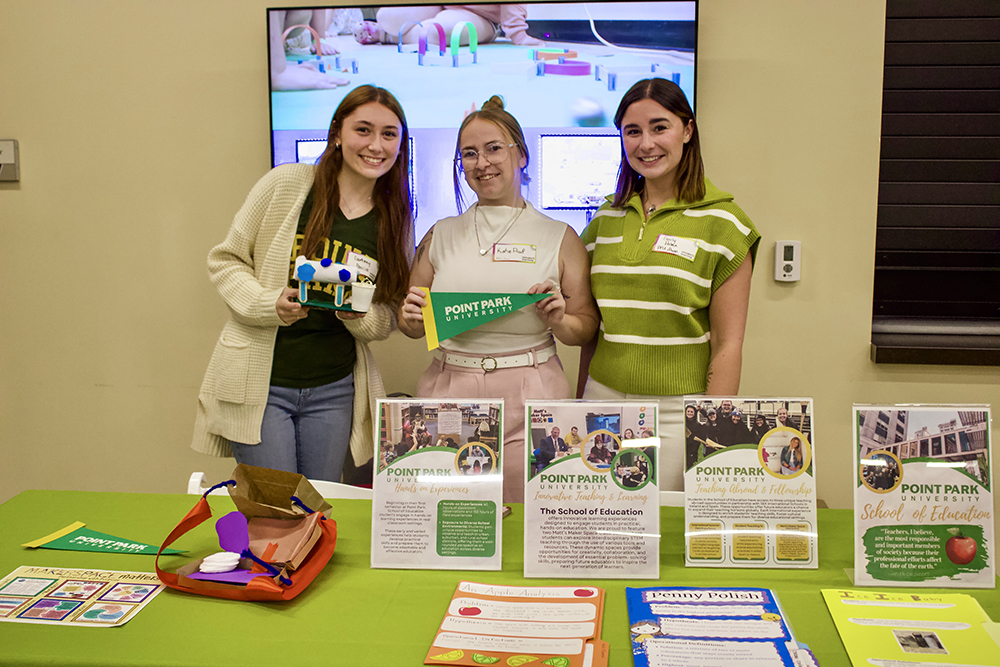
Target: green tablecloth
column 351, row 614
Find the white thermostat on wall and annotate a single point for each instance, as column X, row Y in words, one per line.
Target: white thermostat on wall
column 787, row 260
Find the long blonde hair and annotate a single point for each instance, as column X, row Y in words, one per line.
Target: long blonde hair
column 796, row 454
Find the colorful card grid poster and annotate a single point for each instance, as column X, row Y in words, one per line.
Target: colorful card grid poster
column 591, row 498
column 530, row 626
column 906, row 629
column 711, row 627
column 83, row 598
column 923, row 501
column 438, row 485
column 749, row 483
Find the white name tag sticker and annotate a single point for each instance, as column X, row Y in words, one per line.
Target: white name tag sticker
column 363, row 263
column 676, row 245
column 514, row 252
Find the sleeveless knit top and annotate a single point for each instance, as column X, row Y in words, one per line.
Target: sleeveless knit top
column 459, row 267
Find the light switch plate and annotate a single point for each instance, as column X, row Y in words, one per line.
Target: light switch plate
column 9, row 160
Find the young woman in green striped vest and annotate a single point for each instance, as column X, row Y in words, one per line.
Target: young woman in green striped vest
column 671, row 259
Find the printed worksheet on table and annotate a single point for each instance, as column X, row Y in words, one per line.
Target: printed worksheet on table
column 512, row 626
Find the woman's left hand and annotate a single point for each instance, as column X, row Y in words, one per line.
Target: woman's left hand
column 550, row 310
column 349, row 315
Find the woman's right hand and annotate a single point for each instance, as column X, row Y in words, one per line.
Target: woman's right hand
column 410, row 316
column 288, row 307
column 411, row 310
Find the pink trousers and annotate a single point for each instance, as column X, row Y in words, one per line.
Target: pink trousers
column 545, row 381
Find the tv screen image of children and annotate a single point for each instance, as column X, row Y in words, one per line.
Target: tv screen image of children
column 517, row 55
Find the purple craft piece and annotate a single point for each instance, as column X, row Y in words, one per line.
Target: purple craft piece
column 233, row 535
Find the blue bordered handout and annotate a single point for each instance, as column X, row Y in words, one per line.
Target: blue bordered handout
column 710, row 627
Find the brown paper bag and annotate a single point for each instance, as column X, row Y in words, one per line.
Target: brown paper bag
column 266, row 493
column 295, row 538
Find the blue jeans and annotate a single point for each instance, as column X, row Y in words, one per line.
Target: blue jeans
column 307, row 431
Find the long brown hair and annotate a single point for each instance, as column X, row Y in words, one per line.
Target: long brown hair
column 492, row 112
column 390, row 196
column 690, row 170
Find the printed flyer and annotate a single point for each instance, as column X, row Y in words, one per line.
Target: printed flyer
column 923, row 503
column 591, row 499
column 711, row 627
column 533, row 626
column 749, row 483
column 438, row 485
column 83, row 598
column 888, row 629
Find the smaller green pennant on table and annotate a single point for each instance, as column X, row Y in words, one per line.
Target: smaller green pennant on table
column 76, row 537
column 448, row 314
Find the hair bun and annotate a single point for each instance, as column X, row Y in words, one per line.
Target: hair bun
column 495, row 101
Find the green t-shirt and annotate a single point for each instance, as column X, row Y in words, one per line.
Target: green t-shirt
column 319, row 349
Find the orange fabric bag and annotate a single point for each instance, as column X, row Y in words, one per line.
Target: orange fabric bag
column 288, row 583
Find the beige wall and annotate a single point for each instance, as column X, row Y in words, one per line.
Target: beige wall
column 142, row 126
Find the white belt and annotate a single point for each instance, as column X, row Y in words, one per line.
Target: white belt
column 491, row 363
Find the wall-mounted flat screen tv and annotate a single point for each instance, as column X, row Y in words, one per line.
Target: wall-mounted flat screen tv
column 560, row 67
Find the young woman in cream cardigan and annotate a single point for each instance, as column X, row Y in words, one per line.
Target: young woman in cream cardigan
column 291, row 387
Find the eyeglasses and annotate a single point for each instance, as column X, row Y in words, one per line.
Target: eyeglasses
column 494, row 153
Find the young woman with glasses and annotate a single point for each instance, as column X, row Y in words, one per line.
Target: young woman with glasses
column 501, row 244
column 672, row 257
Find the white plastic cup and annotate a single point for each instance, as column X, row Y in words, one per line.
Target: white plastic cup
column 361, row 297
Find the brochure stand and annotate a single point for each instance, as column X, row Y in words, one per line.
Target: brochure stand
column 749, row 485
column 591, row 500
column 438, row 485
column 923, row 502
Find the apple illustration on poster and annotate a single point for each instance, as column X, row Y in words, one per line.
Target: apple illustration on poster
column 959, row 548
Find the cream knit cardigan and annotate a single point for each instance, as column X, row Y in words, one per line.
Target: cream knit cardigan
column 250, row 269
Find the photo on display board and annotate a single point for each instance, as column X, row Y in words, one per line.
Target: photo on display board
column 780, row 429
column 468, row 432
column 606, row 439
